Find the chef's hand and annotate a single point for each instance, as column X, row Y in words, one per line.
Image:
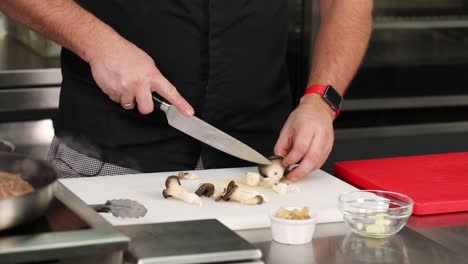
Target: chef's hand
column 128, row 76
column 307, row 136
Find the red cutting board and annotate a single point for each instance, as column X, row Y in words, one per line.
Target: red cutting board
column 437, row 183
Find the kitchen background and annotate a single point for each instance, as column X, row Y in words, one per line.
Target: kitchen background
column 409, row 97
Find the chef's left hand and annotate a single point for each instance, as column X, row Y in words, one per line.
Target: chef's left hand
column 307, row 136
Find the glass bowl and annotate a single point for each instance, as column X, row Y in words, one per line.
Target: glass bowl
column 373, row 213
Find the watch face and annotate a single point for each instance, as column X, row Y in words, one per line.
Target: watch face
column 332, row 97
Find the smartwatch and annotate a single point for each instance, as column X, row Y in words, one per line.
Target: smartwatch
column 328, row 94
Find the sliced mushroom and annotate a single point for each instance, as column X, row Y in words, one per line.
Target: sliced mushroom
column 233, row 192
column 274, row 172
column 252, row 179
column 206, row 189
column 175, row 189
column 283, row 188
column 186, row 176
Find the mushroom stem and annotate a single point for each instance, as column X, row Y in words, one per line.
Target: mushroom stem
column 188, row 197
column 258, row 199
column 175, row 189
column 252, row 179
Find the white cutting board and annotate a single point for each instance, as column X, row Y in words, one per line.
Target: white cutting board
column 319, row 191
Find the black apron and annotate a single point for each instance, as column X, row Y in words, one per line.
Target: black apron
column 226, row 57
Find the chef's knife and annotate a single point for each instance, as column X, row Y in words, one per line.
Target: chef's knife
column 208, row 134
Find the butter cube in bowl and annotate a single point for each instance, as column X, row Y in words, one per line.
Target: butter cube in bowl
column 293, row 225
column 373, row 213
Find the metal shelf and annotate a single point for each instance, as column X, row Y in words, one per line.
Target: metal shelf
column 22, row 67
column 419, row 22
column 405, row 102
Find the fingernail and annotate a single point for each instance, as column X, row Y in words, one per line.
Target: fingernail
column 189, row 112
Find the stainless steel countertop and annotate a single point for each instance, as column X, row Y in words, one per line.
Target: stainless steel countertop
column 429, row 239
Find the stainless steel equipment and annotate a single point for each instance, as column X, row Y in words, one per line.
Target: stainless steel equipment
column 68, row 232
column 24, row 208
column 208, row 241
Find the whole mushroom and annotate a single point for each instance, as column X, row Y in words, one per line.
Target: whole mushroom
column 274, row 172
column 233, row 192
column 175, row 189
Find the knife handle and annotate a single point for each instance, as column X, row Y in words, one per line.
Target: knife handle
column 159, row 103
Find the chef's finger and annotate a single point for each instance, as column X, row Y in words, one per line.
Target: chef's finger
column 164, row 88
column 144, row 99
column 305, row 167
column 114, row 97
column 301, row 142
column 283, row 145
column 127, row 101
column 315, row 157
column 322, row 146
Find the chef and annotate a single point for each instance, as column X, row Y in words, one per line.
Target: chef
column 223, row 60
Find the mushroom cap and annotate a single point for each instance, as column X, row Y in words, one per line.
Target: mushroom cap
column 181, row 174
column 164, row 193
column 206, row 189
column 230, row 190
column 219, row 198
column 276, row 162
column 170, row 181
column 259, row 198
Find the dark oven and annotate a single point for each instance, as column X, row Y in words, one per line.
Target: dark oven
column 410, row 95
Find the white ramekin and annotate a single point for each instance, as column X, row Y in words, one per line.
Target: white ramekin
column 293, row 232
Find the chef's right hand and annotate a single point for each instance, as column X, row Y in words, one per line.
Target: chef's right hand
column 128, row 76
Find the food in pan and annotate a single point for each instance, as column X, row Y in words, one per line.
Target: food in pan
column 11, row 184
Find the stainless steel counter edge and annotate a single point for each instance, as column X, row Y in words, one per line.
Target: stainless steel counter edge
column 30, row 78
column 100, row 233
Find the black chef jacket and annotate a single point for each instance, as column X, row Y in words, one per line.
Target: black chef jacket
column 227, row 58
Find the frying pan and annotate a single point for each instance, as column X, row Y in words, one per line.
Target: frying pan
column 20, row 209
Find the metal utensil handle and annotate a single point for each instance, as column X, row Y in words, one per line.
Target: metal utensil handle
column 159, row 103
column 101, row 208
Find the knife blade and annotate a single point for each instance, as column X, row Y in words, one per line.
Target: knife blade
column 208, row 134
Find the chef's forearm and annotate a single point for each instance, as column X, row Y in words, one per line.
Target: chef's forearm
column 341, row 43
column 63, row 21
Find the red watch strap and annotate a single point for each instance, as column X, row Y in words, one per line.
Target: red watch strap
column 320, row 89
column 316, row 88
